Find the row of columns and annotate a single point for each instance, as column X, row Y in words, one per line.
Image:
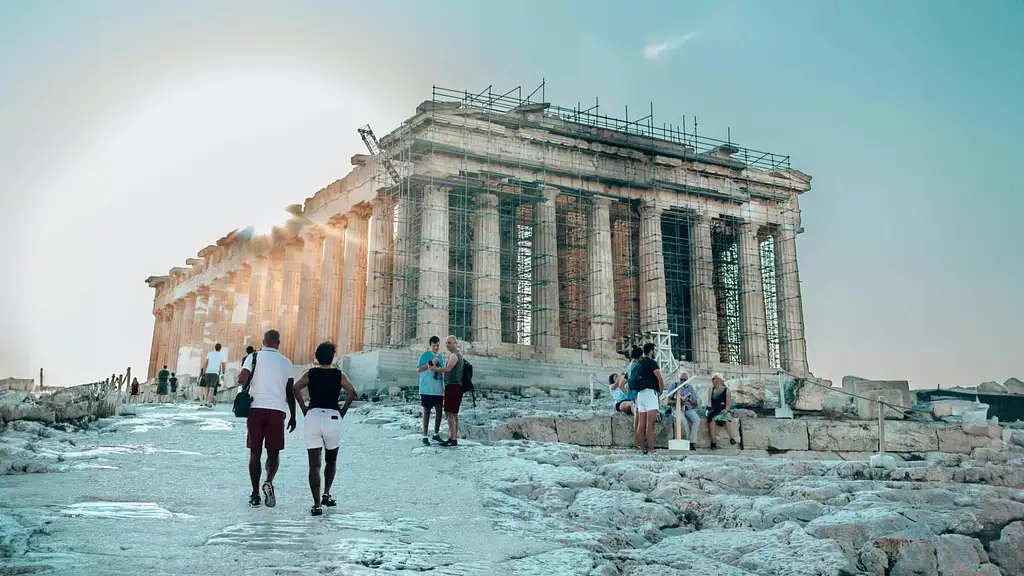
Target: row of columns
column 323, row 287
column 654, row 310
column 312, row 289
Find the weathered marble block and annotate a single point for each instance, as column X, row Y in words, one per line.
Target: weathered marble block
column 810, row 394
column 771, row 434
column 842, row 436
column 910, row 437
column 594, row 431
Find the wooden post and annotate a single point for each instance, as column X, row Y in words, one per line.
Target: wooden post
column 881, row 425
column 679, row 414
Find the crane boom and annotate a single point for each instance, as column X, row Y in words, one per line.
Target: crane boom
column 373, row 145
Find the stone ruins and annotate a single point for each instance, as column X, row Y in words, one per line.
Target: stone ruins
column 545, row 238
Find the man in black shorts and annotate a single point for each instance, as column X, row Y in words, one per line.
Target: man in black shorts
column 431, row 389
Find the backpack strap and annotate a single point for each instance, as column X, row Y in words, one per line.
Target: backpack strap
column 248, row 381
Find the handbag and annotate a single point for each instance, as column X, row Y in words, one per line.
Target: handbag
column 243, row 401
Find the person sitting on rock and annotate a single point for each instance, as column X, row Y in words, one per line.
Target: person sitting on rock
column 688, row 400
column 719, row 409
column 622, row 396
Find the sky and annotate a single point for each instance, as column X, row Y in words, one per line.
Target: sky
column 133, row 134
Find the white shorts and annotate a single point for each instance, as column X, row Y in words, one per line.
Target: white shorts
column 646, row 400
column 322, row 428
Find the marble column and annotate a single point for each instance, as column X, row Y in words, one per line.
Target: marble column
column 240, row 280
column 288, row 312
column 195, row 357
column 653, row 301
column 353, row 292
column 792, row 346
column 406, row 253
column 166, row 321
column 174, row 338
column 702, row 293
column 486, row 272
column 218, row 316
column 545, row 274
column 154, row 347
column 187, row 337
column 272, row 291
column 259, row 270
column 309, row 296
column 601, row 279
column 159, row 346
column 432, row 308
column 332, row 271
column 752, row 314
column 378, row 276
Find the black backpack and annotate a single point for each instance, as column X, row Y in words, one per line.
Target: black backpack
column 635, row 382
column 467, row 380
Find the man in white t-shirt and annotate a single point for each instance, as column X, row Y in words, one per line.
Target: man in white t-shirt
column 272, row 397
column 213, row 367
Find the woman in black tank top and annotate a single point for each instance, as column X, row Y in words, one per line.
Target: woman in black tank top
column 322, row 426
column 324, row 388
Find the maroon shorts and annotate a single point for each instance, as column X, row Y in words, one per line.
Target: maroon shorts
column 452, row 398
column 264, row 427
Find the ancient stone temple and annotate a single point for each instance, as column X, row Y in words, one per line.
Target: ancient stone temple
column 545, row 238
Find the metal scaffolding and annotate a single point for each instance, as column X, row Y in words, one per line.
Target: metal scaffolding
column 475, row 146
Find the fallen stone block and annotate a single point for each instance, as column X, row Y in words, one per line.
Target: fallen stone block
column 1014, row 386
column 810, row 394
column 623, row 433
column 955, row 440
column 896, row 392
column 771, row 434
column 843, row 436
column 837, row 405
column 536, row 429
column 910, row 437
column 991, row 388
column 595, row 431
column 954, row 408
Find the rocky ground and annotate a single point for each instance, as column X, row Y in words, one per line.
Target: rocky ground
column 506, row 507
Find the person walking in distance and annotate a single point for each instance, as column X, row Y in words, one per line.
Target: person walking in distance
column 173, row 381
column 271, row 389
column 452, row 373
column 161, row 383
column 431, row 389
column 651, row 387
column 322, row 427
column 212, row 368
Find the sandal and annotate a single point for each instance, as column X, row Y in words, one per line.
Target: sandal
column 268, row 495
column 316, row 511
column 328, row 501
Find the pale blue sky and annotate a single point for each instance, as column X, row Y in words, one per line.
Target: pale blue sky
column 134, row 134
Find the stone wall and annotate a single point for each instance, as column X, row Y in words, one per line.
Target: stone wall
column 828, row 439
column 19, row 384
column 77, row 404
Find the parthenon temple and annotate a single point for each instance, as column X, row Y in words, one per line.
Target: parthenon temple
column 546, row 239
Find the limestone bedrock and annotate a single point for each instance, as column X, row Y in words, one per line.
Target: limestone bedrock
column 490, row 507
